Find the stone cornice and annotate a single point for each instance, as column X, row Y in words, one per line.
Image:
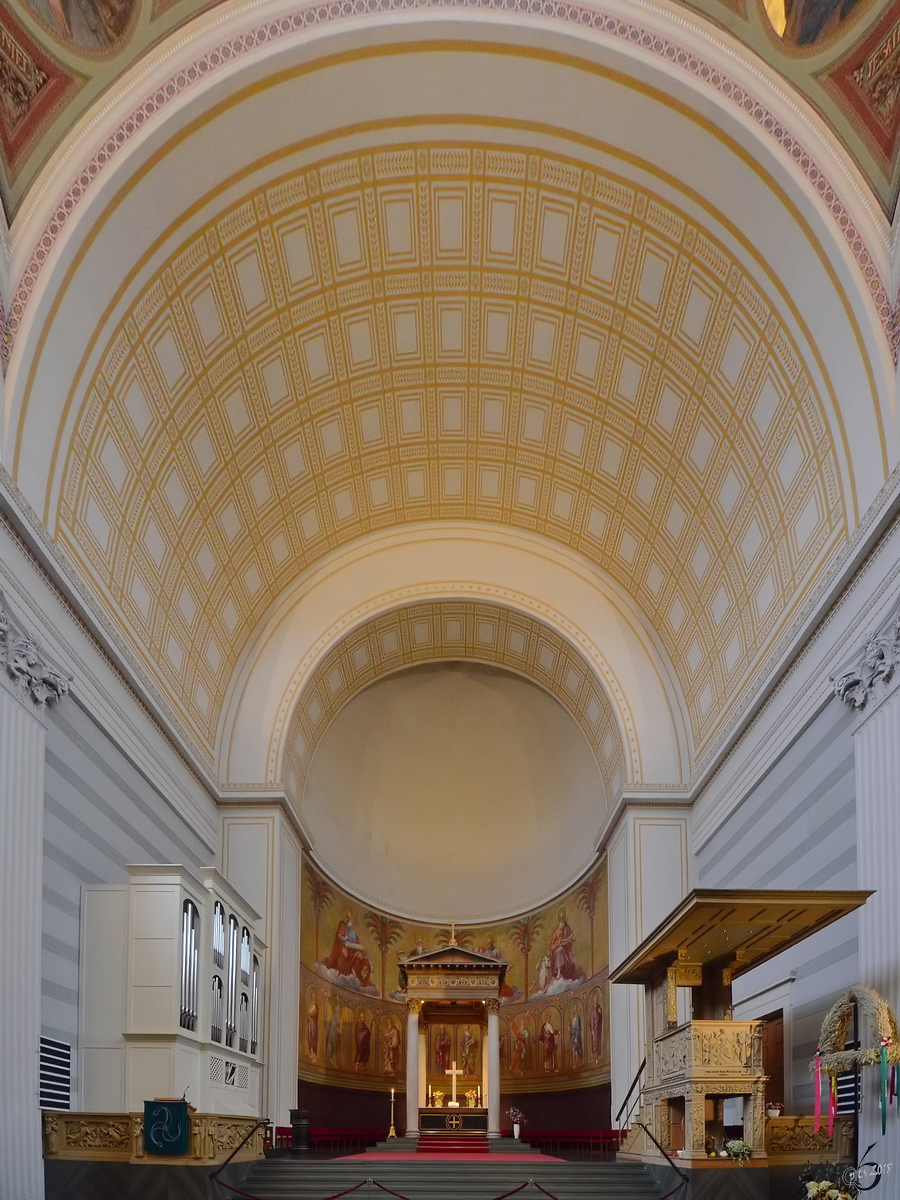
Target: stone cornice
column 26, row 663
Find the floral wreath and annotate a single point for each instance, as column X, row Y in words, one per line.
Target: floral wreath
column 833, row 1059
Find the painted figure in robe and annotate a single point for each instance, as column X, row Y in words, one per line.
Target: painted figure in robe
column 333, row 1037
column 521, row 1049
column 562, row 958
column 312, row 1029
column 596, row 1031
column 392, row 1049
column 576, row 1044
column 548, row 1036
column 467, row 1046
column 363, row 1034
column 442, row 1050
column 347, row 956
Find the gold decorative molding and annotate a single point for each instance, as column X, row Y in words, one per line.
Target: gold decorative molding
column 119, row 1137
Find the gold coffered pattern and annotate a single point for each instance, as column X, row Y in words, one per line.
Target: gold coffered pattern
column 479, row 632
column 456, row 332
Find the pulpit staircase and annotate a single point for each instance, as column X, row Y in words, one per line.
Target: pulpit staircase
column 631, row 1118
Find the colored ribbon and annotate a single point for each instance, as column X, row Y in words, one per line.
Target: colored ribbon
column 818, row 1095
column 832, row 1106
column 885, row 1042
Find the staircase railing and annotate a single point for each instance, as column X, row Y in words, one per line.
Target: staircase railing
column 684, row 1178
column 635, row 1083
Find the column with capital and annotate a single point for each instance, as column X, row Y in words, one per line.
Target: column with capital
column 412, row 1067
column 493, row 1071
column 29, row 682
column 870, row 685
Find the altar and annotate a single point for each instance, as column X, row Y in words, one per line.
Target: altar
column 453, row 1040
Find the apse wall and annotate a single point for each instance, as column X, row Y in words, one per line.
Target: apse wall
column 335, row 1049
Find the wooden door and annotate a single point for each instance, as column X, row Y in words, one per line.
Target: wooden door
column 773, row 1057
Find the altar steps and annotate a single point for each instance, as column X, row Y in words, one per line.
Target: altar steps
column 422, row 1179
column 443, row 1143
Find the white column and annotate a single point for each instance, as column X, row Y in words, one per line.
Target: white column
column 21, row 864
column 423, row 1066
column 877, row 755
column 412, row 1067
column 493, row 1056
column 262, row 858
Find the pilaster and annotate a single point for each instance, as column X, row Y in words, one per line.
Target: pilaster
column 261, row 857
column 877, row 753
column 27, row 684
column 871, row 685
column 648, row 859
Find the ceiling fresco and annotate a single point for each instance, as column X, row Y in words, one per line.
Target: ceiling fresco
column 59, row 57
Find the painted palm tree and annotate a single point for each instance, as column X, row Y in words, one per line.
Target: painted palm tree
column 385, row 932
column 321, row 894
column 522, row 933
column 587, row 900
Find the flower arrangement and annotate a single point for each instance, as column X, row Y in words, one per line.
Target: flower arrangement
column 516, row 1116
column 826, row 1181
column 775, row 1106
column 738, row 1150
column 438, row 1098
column 471, row 1097
column 825, row 1189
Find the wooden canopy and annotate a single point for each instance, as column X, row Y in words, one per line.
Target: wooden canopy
column 740, row 928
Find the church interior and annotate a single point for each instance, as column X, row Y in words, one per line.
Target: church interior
column 449, row 596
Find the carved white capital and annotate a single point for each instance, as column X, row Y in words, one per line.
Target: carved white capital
column 26, row 663
column 874, row 665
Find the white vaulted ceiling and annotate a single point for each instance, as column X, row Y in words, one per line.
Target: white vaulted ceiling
column 449, row 314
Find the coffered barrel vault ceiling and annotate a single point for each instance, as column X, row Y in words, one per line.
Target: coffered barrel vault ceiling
column 476, row 332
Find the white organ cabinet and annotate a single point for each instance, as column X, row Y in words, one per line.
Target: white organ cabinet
column 171, row 972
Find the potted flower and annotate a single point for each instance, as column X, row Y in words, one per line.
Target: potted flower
column 775, row 1109
column 738, row 1150
column 518, row 1119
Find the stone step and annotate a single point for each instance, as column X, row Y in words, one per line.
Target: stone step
column 443, row 1143
column 281, row 1179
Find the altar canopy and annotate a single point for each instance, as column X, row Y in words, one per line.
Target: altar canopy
column 453, row 999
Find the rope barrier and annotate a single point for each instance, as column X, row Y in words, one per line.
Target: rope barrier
column 513, row 1192
column 336, row 1196
column 388, row 1190
column 542, row 1189
column 683, row 1183
column 363, row 1182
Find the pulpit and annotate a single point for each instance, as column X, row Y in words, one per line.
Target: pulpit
column 455, row 993
column 693, row 1067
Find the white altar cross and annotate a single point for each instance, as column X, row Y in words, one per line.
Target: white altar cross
column 453, row 1072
